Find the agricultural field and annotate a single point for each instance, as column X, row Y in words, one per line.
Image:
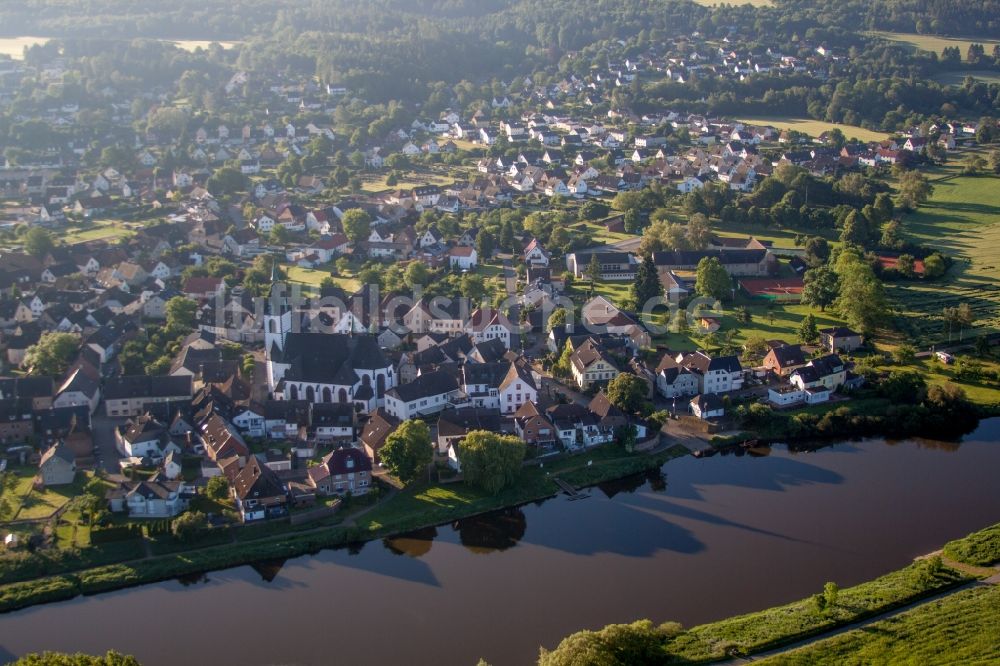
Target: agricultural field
column 957, row 78
column 815, row 127
column 963, row 628
column 14, row 46
column 962, row 218
column 934, row 43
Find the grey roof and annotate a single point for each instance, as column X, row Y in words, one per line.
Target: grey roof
column 330, row 358
column 431, row 383
column 141, row 386
column 692, row 257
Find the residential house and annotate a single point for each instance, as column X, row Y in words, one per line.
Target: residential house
column 58, row 466
column 343, row 471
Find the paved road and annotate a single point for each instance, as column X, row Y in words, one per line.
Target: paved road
column 510, row 282
column 103, row 429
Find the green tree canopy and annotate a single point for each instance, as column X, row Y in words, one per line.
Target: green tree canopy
column 490, row 460
column 52, row 354
column 181, row 313
column 712, row 279
column 408, row 450
column 357, row 225
column 627, row 392
column 38, row 242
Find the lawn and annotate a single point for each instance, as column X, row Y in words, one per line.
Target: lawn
column 376, row 184
column 957, row 78
column 815, row 127
column 102, row 230
column 963, row 628
column 43, row 503
column 17, row 486
column 936, row 44
column 312, row 277
column 598, row 233
column 961, row 219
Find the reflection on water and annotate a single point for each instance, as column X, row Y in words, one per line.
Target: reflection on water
column 192, row 579
column 629, row 484
column 492, row 532
column 639, row 547
column 268, row 569
column 415, row 544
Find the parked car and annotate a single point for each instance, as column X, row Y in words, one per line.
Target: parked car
column 945, row 357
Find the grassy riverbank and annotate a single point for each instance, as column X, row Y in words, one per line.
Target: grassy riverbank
column 783, row 625
column 963, row 628
column 413, row 508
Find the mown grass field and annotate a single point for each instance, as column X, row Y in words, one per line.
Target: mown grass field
column 312, row 277
column 106, row 230
column 935, row 43
column 815, row 127
column 962, row 219
column 957, row 78
column 376, row 184
column 963, row 628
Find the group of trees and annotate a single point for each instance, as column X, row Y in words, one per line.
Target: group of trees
column 489, row 460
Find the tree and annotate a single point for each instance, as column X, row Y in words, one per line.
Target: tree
column 830, row 591
column 861, row 298
column 712, row 279
column 935, row 266
column 51, row 355
column 633, row 221
column 819, row 287
column 647, row 283
column 408, row 450
column 699, row 232
column 181, row 313
column 856, row 229
column 557, row 318
column 743, row 315
column 473, row 287
column 490, row 460
column 37, row 242
column 906, row 265
column 615, row 645
column 817, row 251
column 904, row 354
column 217, row 488
column 111, row 658
column 226, row 180
column 913, row 189
column 357, row 225
column 627, row 392
column 485, row 244
column 594, row 267
column 892, row 235
column 416, row 274
column 189, row 526
column 507, row 237
column 982, row 346
column 807, row 331
column 903, row 387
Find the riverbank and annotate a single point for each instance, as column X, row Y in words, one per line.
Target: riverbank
column 765, row 630
column 415, row 508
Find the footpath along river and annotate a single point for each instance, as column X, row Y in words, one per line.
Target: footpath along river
column 703, row 540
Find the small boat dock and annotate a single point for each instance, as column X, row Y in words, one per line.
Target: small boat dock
column 573, row 493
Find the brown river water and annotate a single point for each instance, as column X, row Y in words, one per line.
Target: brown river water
column 702, row 540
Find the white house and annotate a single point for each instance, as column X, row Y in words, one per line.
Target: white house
column 463, row 258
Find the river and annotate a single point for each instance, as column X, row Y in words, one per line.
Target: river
column 706, row 539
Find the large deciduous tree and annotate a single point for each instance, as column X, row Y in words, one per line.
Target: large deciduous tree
column 357, row 225
column 627, row 392
column 819, row 287
column 408, row 450
column 712, row 279
column 491, row 461
column 52, row 354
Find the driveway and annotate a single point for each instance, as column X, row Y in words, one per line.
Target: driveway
column 510, row 282
column 103, row 429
